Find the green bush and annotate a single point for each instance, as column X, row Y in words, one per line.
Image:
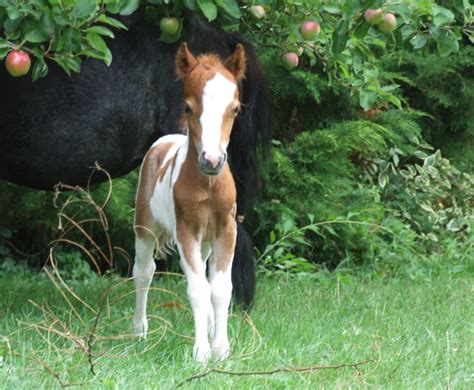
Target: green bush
column 41, row 217
column 442, row 87
column 361, row 192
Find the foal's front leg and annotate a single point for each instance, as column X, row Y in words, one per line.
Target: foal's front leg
column 221, row 284
column 199, row 294
column 143, row 271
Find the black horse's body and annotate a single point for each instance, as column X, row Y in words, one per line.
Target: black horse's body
column 55, row 129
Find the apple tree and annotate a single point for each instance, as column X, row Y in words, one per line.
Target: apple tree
column 344, row 39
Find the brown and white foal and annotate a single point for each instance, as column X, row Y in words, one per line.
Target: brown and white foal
column 187, row 196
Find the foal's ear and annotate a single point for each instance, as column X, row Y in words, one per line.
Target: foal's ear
column 237, row 62
column 185, row 61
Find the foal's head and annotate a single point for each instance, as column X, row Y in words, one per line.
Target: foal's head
column 211, row 99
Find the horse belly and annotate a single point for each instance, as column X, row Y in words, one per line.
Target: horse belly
column 162, row 205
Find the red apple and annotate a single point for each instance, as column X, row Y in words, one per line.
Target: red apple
column 18, row 63
column 373, row 16
column 309, row 29
column 257, row 12
column 290, row 60
column 169, row 25
column 388, row 24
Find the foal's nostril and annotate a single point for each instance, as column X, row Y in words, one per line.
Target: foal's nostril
column 212, row 161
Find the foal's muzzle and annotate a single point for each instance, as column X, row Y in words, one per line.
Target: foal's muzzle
column 211, row 165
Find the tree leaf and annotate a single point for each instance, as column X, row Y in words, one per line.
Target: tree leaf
column 129, row 7
column 383, row 180
column 96, row 41
column 442, row 16
column 83, row 8
column 339, row 37
column 3, row 52
column 367, row 99
column 36, row 36
column 112, row 22
column 447, row 44
column 418, row 41
column 40, row 69
column 230, row 7
column 208, row 8
column 190, row 4
column 101, row 30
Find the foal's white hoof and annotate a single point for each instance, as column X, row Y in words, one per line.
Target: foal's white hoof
column 202, row 353
column 140, row 327
column 221, row 350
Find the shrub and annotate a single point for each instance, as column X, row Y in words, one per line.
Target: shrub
column 361, row 192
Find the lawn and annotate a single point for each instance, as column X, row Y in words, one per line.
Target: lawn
column 415, row 334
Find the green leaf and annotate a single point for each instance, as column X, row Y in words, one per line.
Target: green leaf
column 361, row 29
column 462, row 5
column 208, row 8
column 47, row 23
column 63, row 65
column 101, row 30
column 40, row 69
column 331, row 9
column 272, row 237
column 74, row 63
column 442, row 16
column 447, row 44
column 112, row 22
column 230, row 7
column 367, row 99
column 129, row 7
column 106, row 56
column 190, row 4
column 96, row 41
column 339, row 37
column 383, row 180
column 395, row 101
column 36, row 36
column 83, row 8
column 3, row 52
column 418, row 41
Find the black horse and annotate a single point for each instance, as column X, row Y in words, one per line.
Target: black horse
column 57, row 128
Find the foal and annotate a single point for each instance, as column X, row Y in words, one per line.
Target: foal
column 187, row 195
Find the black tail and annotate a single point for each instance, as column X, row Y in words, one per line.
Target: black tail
column 251, row 132
column 244, row 277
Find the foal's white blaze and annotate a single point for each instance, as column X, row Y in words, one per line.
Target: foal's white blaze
column 217, row 95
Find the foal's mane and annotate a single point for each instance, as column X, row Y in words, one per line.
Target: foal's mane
column 210, row 61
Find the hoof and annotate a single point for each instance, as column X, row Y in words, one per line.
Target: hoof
column 202, row 353
column 140, row 327
column 221, row 350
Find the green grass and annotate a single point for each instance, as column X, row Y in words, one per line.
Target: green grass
column 420, row 331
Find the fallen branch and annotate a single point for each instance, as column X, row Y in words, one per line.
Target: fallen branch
column 277, row 370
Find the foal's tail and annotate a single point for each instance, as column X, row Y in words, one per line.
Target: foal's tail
column 243, row 269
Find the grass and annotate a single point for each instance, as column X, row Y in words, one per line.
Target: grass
column 421, row 333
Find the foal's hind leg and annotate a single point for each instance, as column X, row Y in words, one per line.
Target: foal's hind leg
column 143, row 271
column 221, row 284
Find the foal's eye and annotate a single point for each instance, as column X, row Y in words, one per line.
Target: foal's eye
column 187, row 109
